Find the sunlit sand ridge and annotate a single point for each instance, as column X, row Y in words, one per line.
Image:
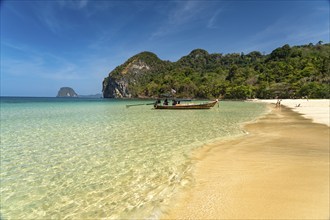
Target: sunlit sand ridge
column 280, row 170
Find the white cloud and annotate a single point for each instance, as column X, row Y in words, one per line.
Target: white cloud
column 38, row 67
column 184, row 12
column 52, row 68
column 73, row 4
column 288, row 30
column 13, row 46
column 212, row 21
column 181, row 14
column 50, row 13
column 82, row 3
column 47, row 16
column 29, row 62
column 190, row 14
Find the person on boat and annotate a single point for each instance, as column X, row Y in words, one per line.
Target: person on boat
column 157, row 102
column 174, row 102
column 165, row 102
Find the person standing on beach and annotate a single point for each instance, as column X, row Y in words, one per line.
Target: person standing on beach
column 278, row 103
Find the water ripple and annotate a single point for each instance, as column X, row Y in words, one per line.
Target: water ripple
column 101, row 160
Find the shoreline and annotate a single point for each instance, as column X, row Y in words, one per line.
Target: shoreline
column 316, row 109
column 279, row 170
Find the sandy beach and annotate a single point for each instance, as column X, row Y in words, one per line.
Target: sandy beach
column 316, row 109
column 279, row 170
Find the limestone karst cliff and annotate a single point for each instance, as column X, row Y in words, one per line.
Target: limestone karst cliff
column 125, row 81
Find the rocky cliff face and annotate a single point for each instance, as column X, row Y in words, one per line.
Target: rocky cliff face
column 66, row 92
column 114, row 88
column 122, row 81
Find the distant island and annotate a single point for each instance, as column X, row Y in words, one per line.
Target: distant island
column 287, row 72
column 66, row 92
column 70, row 93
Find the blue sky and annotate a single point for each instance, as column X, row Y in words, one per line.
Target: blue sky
column 49, row 44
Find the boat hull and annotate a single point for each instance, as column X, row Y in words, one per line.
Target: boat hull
column 187, row 106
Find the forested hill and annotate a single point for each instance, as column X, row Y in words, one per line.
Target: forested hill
column 287, row 72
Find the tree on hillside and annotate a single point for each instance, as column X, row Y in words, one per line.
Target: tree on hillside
column 286, row 72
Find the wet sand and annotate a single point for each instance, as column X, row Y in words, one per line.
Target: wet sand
column 280, row 170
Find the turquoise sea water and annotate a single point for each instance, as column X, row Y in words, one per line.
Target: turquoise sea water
column 80, row 158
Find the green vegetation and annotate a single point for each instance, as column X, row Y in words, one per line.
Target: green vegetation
column 287, row 72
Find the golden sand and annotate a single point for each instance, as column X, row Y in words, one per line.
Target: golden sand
column 280, row 170
column 316, row 109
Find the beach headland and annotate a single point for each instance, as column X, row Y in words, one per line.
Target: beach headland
column 279, row 170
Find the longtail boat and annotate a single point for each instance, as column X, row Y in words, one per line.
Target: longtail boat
column 207, row 105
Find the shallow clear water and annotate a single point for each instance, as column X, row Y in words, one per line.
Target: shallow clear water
column 80, row 158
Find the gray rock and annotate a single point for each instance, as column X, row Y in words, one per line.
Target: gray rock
column 66, row 92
